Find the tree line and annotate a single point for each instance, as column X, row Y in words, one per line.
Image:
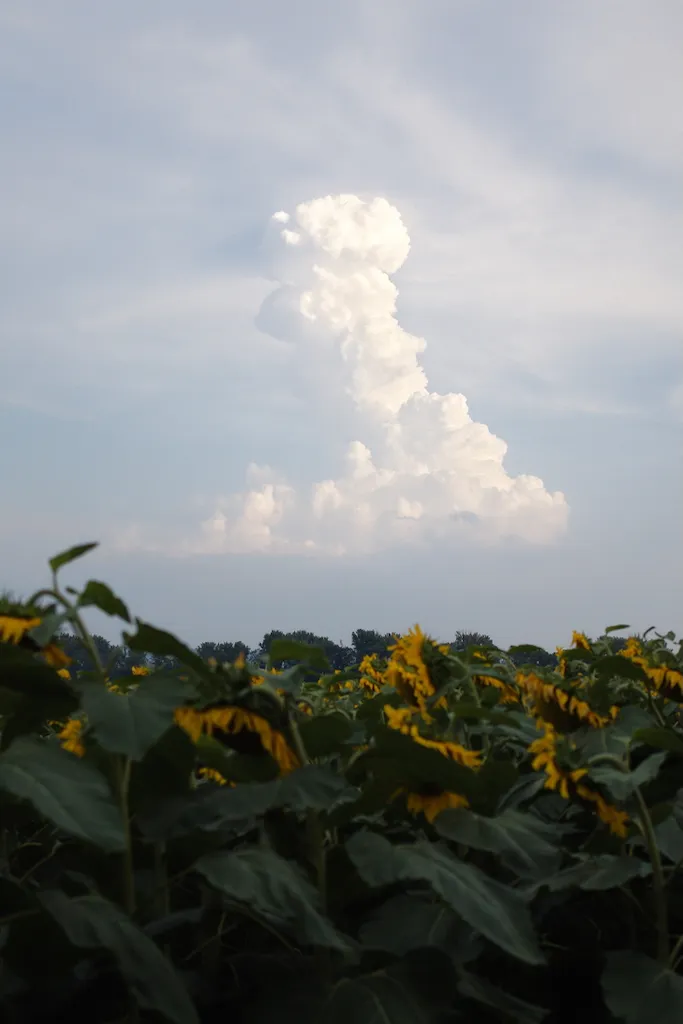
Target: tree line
column 120, row 660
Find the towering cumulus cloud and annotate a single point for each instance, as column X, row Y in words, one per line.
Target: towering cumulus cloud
column 417, row 467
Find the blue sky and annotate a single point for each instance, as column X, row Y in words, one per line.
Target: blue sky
column 151, row 353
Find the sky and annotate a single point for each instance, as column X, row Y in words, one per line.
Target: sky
column 338, row 316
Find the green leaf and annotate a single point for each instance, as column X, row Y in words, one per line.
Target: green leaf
column 91, row 922
column 131, row 723
column 661, row 738
column 156, row 641
column 405, row 923
column 24, row 674
column 236, row 767
column 68, row 791
column 639, row 990
column 325, row 734
column 377, row 999
column 49, row 625
column 496, row 911
column 523, row 791
column 274, row 889
column 615, row 665
column 98, row 595
column 397, row 755
column 291, row 680
column 605, row 871
column 511, row 1008
column 292, row 650
column 522, row 841
column 418, row 989
column 615, row 629
column 669, row 836
column 311, row 787
column 622, row 784
column 71, row 555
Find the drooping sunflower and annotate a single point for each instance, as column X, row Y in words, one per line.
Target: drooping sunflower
column 371, row 676
column 667, row 681
column 508, row 695
column 211, row 775
column 402, row 720
column 568, row 782
column 431, row 801
column 565, row 709
column 430, row 798
column 71, row 736
column 580, row 640
column 15, row 629
column 408, row 671
column 241, row 729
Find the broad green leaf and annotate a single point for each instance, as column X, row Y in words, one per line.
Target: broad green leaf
column 639, row 990
column 292, row 650
column 524, row 843
column 605, row 871
column 418, row 989
column 290, row 681
column 622, row 784
column 99, row 595
column 68, row 791
column 615, row 665
column 378, row 998
column 131, row 723
column 405, row 923
column 523, row 791
column 49, row 625
column 23, row 673
column 71, row 555
column 511, row 1008
column 398, row 755
column 496, row 911
column 273, row 888
column 157, row 641
column 325, row 734
column 91, row 922
column 669, row 836
column 311, row 787
column 236, row 767
column 496, row 777
column 661, row 738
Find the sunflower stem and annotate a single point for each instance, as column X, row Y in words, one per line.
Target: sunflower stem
column 658, row 883
column 123, row 771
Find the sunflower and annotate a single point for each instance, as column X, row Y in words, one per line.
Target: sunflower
column 400, row 719
column 407, row 671
column 232, row 721
column 508, row 694
column 71, row 737
column 212, row 775
column 668, row 682
column 568, row 783
column 13, row 628
column 580, row 640
column 55, row 656
column 139, row 670
column 433, row 803
column 562, row 708
column 371, row 678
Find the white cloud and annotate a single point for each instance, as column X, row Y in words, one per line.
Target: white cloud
column 425, row 470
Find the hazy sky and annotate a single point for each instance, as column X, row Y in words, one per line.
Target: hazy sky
column 444, row 384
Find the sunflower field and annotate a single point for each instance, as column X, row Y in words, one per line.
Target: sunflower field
column 423, row 839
